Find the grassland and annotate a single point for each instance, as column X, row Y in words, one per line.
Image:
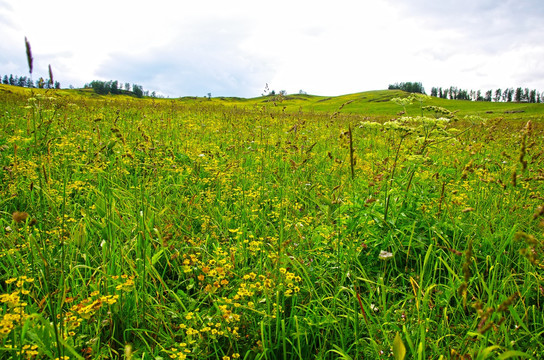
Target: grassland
column 268, row 228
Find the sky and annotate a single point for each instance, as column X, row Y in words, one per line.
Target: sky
column 237, row 47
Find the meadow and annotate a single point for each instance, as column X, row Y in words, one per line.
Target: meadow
column 377, row 225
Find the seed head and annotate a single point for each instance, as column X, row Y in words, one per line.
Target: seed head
column 19, row 216
column 50, row 75
column 29, row 55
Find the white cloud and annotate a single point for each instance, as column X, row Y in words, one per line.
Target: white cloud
column 234, row 48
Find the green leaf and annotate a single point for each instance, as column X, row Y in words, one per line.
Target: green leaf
column 512, row 353
column 488, row 351
column 156, row 257
column 399, row 350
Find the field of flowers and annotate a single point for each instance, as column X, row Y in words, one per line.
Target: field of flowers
column 168, row 229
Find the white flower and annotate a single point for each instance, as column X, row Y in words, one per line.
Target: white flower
column 384, row 255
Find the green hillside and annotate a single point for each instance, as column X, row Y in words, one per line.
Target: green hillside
column 375, row 104
column 378, row 103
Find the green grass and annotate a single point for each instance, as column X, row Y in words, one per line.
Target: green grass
column 226, row 228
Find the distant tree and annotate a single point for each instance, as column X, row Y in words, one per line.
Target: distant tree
column 518, row 95
column 11, row 80
column 488, row 95
column 463, row 95
column 302, row 92
column 40, row 83
column 498, row 94
column 525, row 95
column 509, row 95
column 137, row 90
column 21, row 81
column 532, row 96
column 57, row 85
column 5, row 80
column 453, row 92
column 114, row 87
column 127, row 86
column 434, row 91
column 99, row 87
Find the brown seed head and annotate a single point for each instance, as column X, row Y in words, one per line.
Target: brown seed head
column 29, row 56
column 50, row 75
column 19, row 216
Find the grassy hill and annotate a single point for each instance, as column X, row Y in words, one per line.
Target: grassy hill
column 375, row 104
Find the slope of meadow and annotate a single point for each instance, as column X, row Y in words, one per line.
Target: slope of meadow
column 297, row 228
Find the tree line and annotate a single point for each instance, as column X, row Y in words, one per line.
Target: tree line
column 25, row 81
column 100, row 87
column 453, row 93
column 411, row 87
column 507, row 95
column 114, row 87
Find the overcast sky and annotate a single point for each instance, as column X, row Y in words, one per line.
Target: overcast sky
column 235, row 47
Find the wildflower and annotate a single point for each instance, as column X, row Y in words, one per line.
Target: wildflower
column 384, row 255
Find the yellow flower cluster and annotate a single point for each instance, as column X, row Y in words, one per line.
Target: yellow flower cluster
column 290, row 281
column 71, row 323
column 15, row 310
column 180, row 352
column 27, row 352
column 88, row 307
column 126, row 286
